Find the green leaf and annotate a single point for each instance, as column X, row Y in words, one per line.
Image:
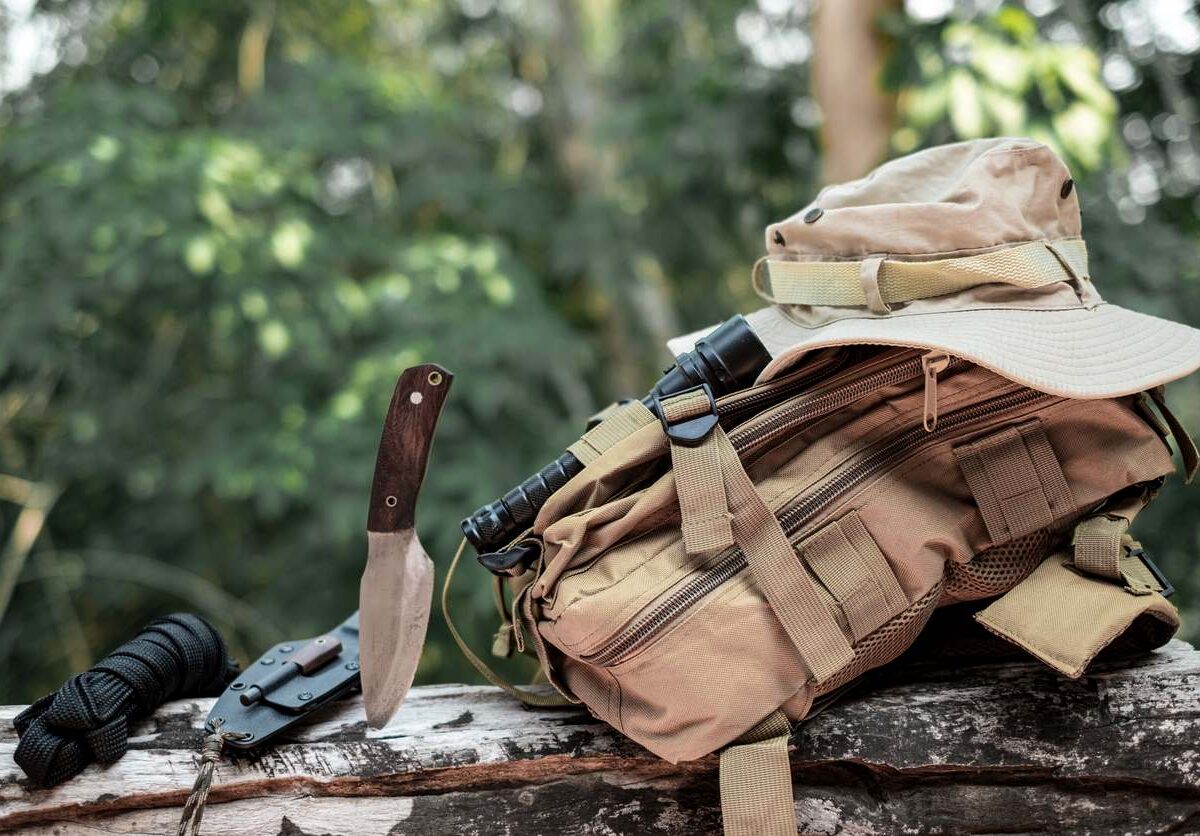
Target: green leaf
column 966, row 106
column 1079, row 69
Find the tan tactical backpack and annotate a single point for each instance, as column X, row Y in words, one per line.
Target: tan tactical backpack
column 719, row 569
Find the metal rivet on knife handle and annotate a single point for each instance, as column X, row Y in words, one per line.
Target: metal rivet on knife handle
column 397, row 586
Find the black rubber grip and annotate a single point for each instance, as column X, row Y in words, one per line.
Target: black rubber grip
column 493, row 525
column 729, row 358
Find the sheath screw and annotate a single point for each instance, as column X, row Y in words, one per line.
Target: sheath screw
column 267, row 661
column 237, row 686
column 285, row 648
column 813, row 215
column 352, row 666
column 305, row 695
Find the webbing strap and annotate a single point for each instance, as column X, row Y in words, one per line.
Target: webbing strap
column 1097, row 545
column 1187, row 446
column 1101, row 547
column 1016, row 480
column 779, row 573
column 1029, row 265
column 852, row 567
column 705, row 521
column 620, row 422
column 756, row 782
column 528, row 697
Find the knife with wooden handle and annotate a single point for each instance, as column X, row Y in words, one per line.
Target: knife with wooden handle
column 396, row 592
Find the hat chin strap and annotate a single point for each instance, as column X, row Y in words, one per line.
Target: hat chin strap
column 895, row 279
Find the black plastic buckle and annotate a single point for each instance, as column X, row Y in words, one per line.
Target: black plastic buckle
column 513, row 561
column 274, row 692
column 690, row 431
column 1168, row 588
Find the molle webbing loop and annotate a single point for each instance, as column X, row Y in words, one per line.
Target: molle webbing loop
column 1016, row 480
column 1078, row 602
column 777, row 570
column 756, row 781
column 619, row 422
column 1101, row 547
column 850, row 564
column 1097, row 545
column 703, row 505
column 880, row 281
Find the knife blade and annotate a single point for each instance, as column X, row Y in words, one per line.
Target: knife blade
column 396, row 591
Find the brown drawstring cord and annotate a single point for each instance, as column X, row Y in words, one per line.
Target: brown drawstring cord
column 210, row 753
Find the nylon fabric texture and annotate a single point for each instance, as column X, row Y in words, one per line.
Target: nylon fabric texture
column 989, row 412
column 685, row 650
column 756, row 782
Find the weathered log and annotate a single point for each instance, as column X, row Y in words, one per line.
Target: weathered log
column 987, row 748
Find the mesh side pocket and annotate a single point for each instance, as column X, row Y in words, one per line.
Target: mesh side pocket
column 886, row 643
column 997, row 570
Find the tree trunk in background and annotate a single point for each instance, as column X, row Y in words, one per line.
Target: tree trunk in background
column 857, row 116
column 635, row 311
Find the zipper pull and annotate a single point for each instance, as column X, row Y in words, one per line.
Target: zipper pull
column 932, row 364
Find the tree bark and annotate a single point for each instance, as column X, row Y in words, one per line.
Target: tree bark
column 986, row 748
column 857, row 115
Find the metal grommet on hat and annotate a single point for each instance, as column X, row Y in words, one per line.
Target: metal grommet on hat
column 813, row 215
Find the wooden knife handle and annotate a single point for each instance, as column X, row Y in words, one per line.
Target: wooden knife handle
column 404, row 447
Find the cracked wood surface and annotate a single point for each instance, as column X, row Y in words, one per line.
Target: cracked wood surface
column 1010, row 748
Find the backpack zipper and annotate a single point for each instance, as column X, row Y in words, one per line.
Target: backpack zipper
column 768, row 394
column 783, row 414
column 816, row 404
column 875, row 459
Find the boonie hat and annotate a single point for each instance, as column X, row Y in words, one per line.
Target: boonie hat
column 974, row 249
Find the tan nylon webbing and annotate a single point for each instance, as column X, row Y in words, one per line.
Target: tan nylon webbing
column 850, row 564
column 1101, row 547
column 727, row 494
column 623, row 421
column 756, row 782
column 1097, row 546
column 1016, row 480
column 705, row 520
column 779, row 573
column 1029, row 265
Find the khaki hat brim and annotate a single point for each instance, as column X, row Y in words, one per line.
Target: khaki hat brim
column 1100, row 352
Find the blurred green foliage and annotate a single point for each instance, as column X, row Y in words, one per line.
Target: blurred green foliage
column 226, row 227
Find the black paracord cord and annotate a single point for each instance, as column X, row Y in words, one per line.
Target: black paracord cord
column 87, row 719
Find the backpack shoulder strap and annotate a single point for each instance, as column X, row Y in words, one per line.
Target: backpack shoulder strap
column 756, row 781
